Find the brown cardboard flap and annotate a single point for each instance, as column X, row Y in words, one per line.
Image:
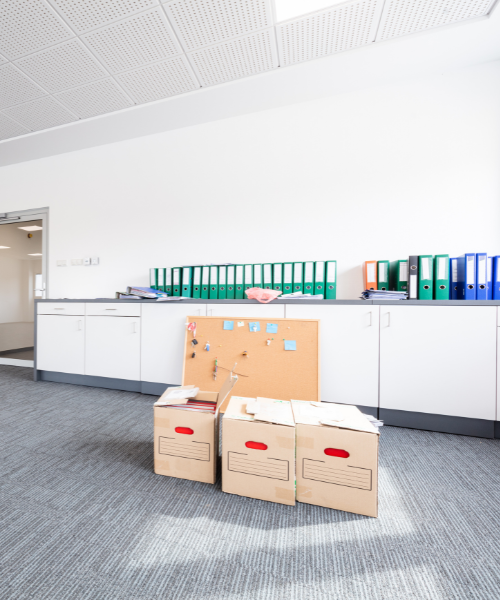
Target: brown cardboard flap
column 226, row 388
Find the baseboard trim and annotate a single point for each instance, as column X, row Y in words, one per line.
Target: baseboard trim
column 126, row 385
column 440, row 423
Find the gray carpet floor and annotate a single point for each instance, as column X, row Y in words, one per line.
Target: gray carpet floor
column 83, row 516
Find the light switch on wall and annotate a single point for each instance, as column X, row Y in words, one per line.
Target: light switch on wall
column 95, row 260
column 86, row 261
column 76, row 262
column 61, row 263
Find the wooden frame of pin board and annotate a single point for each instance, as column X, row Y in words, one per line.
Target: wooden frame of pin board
column 271, row 371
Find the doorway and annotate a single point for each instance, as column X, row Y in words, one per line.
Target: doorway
column 22, row 280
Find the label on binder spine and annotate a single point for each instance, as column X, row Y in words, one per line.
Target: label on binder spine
column 287, row 277
column 177, row 276
column 297, row 272
column 454, row 270
column 197, row 276
column 413, row 287
column 308, row 277
column 257, row 271
column 230, row 276
column 382, row 271
column 248, row 274
column 222, row 276
column 370, row 272
column 168, row 276
column 471, row 277
column 185, row 276
column 239, row 275
column 403, row 271
column 277, row 273
column 481, row 270
column 330, row 273
column 426, row 272
column 267, row 274
column 161, row 277
column 441, row 270
column 206, row 275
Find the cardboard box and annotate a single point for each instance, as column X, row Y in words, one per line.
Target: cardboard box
column 258, row 450
column 186, row 442
column 337, row 457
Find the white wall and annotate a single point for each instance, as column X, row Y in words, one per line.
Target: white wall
column 411, row 168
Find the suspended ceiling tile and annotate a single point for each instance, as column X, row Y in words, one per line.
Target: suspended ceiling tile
column 40, row 114
column 85, row 15
column 2, row 59
column 402, row 17
column 15, row 87
column 134, row 42
column 10, row 129
column 200, row 23
column 339, row 28
column 160, row 80
column 28, row 26
column 95, row 98
column 236, row 58
column 61, row 67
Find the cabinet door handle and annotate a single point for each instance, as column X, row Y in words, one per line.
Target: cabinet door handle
column 79, row 325
column 110, row 309
column 211, row 312
column 133, row 327
column 371, row 319
column 199, row 312
column 388, row 319
column 59, row 309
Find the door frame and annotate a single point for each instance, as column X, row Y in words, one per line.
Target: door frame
column 21, row 216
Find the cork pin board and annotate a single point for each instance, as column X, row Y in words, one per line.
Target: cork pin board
column 272, row 371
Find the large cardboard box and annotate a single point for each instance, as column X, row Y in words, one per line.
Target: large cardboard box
column 258, row 450
column 337, row 457
column 186, row 442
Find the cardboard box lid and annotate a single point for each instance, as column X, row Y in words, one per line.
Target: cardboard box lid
column 269, row 410
column 327, row 414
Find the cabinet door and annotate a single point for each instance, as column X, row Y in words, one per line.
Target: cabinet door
column 60, row 343
column 113, row 347
column 439, row 360
column 247, row 311
column 163, row 334
column 349, row 351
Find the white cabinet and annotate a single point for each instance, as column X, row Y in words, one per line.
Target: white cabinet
column 247, row 311
column 439, row 359
column 61, row 343
column 349, row 351
column 113, row 347
column 163, row 334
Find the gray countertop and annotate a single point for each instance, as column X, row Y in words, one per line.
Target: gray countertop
column 311, row 302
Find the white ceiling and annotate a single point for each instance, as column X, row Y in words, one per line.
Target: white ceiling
column 64, row 61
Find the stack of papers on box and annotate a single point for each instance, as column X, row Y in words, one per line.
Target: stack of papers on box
column 383, row 295
column 300, row 296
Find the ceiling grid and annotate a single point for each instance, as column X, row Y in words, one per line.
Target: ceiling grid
column 65, row 60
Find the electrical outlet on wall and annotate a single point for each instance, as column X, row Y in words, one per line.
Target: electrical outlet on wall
column 76, row 262
column 61, row 263
column 86, row 261
column 95, row 260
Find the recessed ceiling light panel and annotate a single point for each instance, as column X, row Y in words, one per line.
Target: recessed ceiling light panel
column 4, row 247
column 34, row 255
column 31, row 228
